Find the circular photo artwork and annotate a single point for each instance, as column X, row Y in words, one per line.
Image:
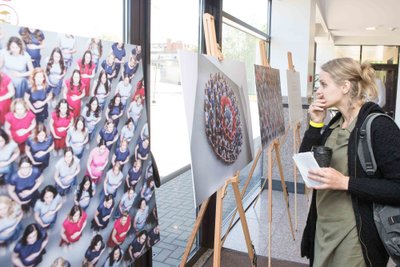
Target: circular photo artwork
column 222, row 119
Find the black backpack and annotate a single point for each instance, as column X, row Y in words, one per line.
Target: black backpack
column 387, row 218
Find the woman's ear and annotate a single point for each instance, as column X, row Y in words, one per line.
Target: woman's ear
column 346, row 86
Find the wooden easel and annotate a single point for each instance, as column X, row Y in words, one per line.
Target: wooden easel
column 274, row 146
column 212, row 49
column 296, row 146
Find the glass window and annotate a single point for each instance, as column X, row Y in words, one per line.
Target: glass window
column 256, row 17
column 170, row 141
column 348, row 51
column 244, row 47
column 89, row 18
column 380, row 54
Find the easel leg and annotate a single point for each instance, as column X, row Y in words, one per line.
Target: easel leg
column 262, row 187
column 285, row 194
column 243, row 220
column 218, row 226
column 269, row 203
column 295, row 178
column 192, row 236
column 243, row 191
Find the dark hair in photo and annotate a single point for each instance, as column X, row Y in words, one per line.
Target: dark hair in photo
column 79, row 119
column 40, row 127
column 111, row 255
column 112, row 102
column 18, row 41
column 48, row 188
column 73, row 210
column 83, row 58
column 62, row 101
column 106, row 85
column 4, row 135
column 96, row 239
column 51, row 60
column 140, row 202
column 69, row 149
column 102, row 142
column 79, row 192
column 71, row 82
column 24, row 159
column 89, row 107
column 28, row 230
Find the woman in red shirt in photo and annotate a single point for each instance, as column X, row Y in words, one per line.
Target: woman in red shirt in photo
column 7, row 91
column 120, row 230
column 19, row 123
column 61, row 120
column 73, row 226
column 74, row 92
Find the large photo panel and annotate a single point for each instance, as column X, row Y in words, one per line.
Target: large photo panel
column 218, row 117
column 75, row 167
column 270, row 108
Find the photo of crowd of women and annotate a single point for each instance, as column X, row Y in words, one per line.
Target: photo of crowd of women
column 270, row 108
column 222, row 119
column 76, row 182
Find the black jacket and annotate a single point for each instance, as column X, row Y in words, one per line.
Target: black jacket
column 383, row 187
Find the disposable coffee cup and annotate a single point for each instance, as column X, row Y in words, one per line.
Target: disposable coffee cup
column 322, row 155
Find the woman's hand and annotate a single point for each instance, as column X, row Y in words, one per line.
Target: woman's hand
column 330, row 179
column 317, row 109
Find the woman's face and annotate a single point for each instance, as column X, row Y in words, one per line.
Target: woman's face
column 15, row 49
column 97, row 247
column 116, row 170
column 124, row 146
column 39, row 78
column 126, row 81
column 110, row 127
column 32, row 238
column 86, row 185
column 20, row 110
column 130, row 125
column 117, row 101
column 76, row 216
column 131, row 194
column 116, row 254
column 2, row 142
column 146, row 143
column 68, row 157
column 94, row 105
column 329, row 90
column 108, row 203
column 63, row 109
column 102, row 149
column 41, row 136
column 56, row 57
column 48, row 197
column 103, row 78
column 138, row 164
column 143, row 204
column 79, row 125
column 25, row 168
column 124, row 220
column 76, row 78
column 142, row 239
column 88, row 58
column 3, row 210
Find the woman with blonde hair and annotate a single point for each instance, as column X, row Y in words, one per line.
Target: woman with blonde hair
column 10, row 220
column 20, row 122
column 38, row 95
column 340, row 228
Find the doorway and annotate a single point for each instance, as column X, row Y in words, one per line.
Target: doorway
column 388, row 73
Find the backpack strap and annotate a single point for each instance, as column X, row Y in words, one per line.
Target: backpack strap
column 365, row 152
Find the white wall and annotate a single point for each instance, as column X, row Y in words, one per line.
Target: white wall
column 293, row 31
column 325, row 51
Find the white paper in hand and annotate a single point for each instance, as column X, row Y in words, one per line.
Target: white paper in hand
column 306, row 161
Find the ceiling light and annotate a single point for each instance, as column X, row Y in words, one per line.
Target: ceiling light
column 370, row 28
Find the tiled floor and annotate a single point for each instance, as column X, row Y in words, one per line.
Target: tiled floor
column 283, row 246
